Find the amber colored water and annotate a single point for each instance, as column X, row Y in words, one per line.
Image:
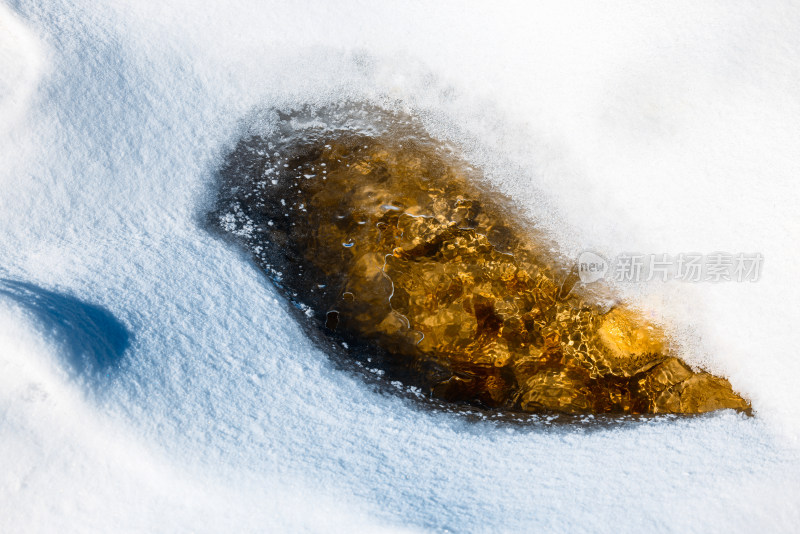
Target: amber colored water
column 396, row 244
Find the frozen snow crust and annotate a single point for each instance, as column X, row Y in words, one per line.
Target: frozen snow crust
column 666, row 130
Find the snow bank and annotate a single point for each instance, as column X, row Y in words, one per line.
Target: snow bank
column 671, row 129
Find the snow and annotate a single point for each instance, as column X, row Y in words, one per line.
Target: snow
column 669, row 128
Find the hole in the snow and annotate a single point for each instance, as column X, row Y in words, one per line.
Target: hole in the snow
column 396, row 249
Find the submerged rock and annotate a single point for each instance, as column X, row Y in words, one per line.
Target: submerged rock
column 392, row 244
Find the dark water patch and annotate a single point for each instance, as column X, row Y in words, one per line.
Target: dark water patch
column 396, row 252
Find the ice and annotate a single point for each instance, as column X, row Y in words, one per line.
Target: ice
column 626, row 127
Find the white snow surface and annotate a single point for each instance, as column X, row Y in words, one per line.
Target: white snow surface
column 653, row 127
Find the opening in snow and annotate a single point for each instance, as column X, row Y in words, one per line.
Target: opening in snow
column 395, row 249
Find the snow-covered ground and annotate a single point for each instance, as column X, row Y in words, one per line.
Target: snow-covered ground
column 151, row 380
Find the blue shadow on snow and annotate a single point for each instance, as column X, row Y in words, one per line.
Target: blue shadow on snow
column 94, row 340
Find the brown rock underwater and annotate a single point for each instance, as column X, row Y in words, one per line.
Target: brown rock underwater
column 394, row 245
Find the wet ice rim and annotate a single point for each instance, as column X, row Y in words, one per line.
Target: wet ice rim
column 278, row 133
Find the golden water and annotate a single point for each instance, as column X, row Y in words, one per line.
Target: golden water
column 395, row 242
